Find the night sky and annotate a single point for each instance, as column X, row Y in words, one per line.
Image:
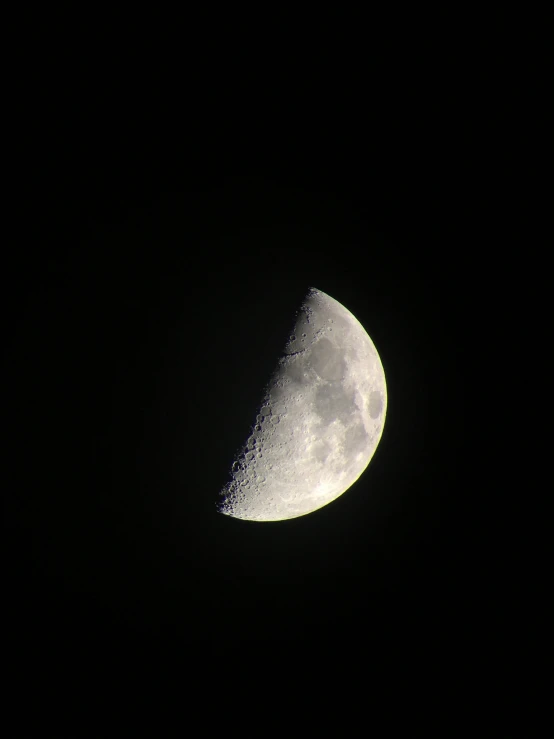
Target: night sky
column 149, row 317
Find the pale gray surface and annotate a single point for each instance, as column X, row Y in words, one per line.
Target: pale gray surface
column 320, row 420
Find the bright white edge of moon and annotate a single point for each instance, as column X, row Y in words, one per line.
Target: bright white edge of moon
column 319, row 422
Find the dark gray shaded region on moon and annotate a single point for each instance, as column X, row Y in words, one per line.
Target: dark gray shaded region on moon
column 333, row 401
column 375, row 404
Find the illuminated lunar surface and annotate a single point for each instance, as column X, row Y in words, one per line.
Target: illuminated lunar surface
column 319, row 423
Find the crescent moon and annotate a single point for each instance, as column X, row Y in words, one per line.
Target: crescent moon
column 319, row 423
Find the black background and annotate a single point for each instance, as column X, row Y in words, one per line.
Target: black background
column 149, row 310
column 143, row 360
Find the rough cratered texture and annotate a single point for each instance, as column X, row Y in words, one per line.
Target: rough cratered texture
column 319, row 423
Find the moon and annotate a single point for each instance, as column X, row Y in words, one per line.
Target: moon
column 319, row 422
